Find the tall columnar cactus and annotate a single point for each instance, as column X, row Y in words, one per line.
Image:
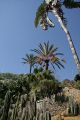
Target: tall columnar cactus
column 6, row 105
column 15, row 110
column 73, row 107
column 24, row 109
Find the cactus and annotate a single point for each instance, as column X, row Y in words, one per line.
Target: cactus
column 24, row 109
column 6, row 105
column 73, row 107
column 48, row 115
column 15, row 110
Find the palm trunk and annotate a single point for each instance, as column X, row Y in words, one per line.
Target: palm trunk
column 30, row 68
column 47, row 65
column 75, row 56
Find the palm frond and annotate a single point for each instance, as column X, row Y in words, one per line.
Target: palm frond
column 71, row 4
column 25, row 60
column 38, row 51
column 41, row 47
column 60, row 64
column 51, row 47
column 40, row 12
column 53, row 66
column 54, row 50
column 58, row 54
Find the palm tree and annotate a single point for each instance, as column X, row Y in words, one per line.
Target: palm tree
column 54, row 6
column 29, row 59
column 46, row 54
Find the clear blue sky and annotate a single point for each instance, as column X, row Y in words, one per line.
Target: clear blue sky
column 18, row 35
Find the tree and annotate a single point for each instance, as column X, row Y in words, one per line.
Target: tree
column 29, row 59
column 77, row 77
column 46, row 54
column 54, row 6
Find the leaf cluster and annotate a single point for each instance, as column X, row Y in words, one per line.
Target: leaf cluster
column 71, row 4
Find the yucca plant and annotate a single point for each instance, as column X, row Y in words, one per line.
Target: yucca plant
column 47, row 54
column 55, row 7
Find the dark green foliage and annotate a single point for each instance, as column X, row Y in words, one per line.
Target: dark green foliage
column 44, row 9
column 60, row 98
column 71, row 4
column 42, row 74
column 40, row 12
column 77, row 81
column 77, row 77
column 47, row 88
column 77, row 85
column 6, row 106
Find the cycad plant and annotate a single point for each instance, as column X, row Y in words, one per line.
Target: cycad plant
column 29, row 59
column 55, row 7
column 46, row 53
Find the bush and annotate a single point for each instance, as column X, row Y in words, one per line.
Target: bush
column 47, row 88
column 77, row 77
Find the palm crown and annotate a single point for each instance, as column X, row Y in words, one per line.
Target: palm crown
column 47, row 6
column 46, row 54
column 29, row 59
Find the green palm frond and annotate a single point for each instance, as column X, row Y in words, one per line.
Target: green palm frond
column 58, row 54
column 30, row 59
column 60, row 64
column 71, row 4
column 38, row 51
column 53, row 66
column 40, row 12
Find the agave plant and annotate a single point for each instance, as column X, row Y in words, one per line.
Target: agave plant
column 29, row 59
column 55, row 7
column 46, row 54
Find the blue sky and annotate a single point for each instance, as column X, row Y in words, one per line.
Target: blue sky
column 18, row 35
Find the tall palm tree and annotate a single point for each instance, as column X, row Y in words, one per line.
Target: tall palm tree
column 54, row 6
column 46, row 54
column 29, row 59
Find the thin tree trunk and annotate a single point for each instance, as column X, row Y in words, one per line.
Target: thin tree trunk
column 30, row 68
column 47, row 65
column 75, row 56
